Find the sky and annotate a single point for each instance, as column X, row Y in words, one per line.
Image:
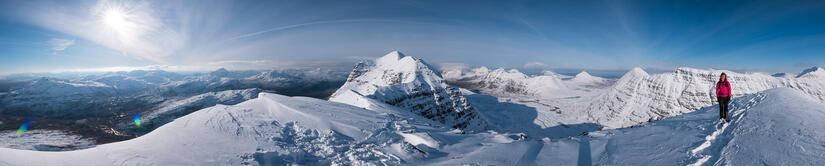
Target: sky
column 107, row 35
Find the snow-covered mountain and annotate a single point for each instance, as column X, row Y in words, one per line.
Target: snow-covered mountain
column 318, row 83
column 586, row 80
column 635, row 97
column 269, row 130
column 139, row 89
column 398, row 110
column 279, row 130
column 105, row 100
column 411, row 84
column 638, row 96
column 498, row 81
column 57, row 97
column 812, row 72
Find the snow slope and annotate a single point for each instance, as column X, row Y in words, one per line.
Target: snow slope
column 411, row 84
column 177, row 108
column 270, row 129
column 44, row 140
column 812, row 72
column 278, row 130
column 634, row 98
column 775, row 127
column 780, row 126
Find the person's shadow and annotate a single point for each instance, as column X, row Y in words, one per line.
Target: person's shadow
column 513, row 118
column 584, row 151
column 508, row 117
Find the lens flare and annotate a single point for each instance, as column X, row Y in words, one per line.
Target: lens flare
column 25, row 126
column 137, row 119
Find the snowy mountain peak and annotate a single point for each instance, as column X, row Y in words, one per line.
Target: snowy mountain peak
column 637, row 70
column 412, row 84
column 512, row 73
column 583, row 75
column 222, row 72
column 391, row 58
column 813, row 71
column 634, row 73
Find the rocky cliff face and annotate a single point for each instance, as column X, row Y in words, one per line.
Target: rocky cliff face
column 411, row 84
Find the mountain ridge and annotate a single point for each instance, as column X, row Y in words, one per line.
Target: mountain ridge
column 409, row 83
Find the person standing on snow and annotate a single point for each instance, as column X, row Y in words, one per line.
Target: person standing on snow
column 723, row 96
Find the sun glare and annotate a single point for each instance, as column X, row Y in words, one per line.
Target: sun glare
column 115, row 18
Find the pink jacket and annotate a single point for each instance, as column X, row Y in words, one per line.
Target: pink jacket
column 723, row 89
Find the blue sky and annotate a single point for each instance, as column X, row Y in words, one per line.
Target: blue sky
column 770, row 36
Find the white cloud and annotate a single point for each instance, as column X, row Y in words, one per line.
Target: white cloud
column 228, row 64
column 133, row 28
column 536, row 65
column 453, row 66
column 60, row 44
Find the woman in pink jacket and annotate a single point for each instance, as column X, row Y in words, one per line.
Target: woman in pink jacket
column 723, row 96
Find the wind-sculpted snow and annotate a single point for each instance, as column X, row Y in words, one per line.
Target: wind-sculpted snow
column 411, row 84
column 635, row 97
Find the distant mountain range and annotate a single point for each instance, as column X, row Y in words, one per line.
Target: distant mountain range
column 398, row 110
column 104, row 100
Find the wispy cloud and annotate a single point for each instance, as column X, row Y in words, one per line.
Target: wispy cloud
column 132, row 28
column 536, row 66
column 60, row 44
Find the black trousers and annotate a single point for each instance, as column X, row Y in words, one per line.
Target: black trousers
column 723, row 106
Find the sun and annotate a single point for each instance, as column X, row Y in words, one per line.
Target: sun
column 114, row 18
